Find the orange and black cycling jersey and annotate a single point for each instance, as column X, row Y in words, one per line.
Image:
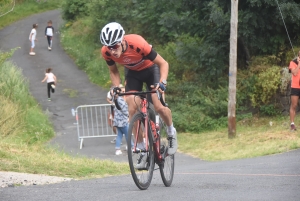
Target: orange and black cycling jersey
column 295, row 78
column 137, row 56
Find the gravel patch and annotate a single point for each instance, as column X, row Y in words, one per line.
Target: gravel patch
column 11, row 179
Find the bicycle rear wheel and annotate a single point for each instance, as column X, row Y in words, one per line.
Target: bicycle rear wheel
column 167, row 167
column 142, row 176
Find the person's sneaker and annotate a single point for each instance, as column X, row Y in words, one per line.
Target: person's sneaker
column 113, row 141
column 32, row 53
column 293, row 127
column 49, row 48
column 53, row 86
column 49, row 99
column 172, row 140
column 118, row 152
column 141, row 162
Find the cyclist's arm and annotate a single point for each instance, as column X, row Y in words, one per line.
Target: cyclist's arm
column 163, row 67
column 114, row 74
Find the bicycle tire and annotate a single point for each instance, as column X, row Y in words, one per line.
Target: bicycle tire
column 142, row 178
column 167, row 167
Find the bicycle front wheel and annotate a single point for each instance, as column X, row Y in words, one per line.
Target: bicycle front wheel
column 167, row 167
column 140, row 156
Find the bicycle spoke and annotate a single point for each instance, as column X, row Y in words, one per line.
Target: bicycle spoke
column 141, row 161
column 167, row 167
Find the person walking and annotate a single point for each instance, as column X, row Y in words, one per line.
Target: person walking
column 32, row 38
column 49, row 32
column 295, row 89
column 51, row 82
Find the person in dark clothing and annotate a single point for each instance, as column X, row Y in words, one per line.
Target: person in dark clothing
column 49, row 31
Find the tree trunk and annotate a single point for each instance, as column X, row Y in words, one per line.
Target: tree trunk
column 232, row 70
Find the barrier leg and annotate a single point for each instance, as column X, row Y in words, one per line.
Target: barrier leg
column 81, row 143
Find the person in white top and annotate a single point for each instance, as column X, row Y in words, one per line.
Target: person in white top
column 32, row 38
column 49, row 31
column 51, row 82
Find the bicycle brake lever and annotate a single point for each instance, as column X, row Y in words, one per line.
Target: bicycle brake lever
column 158, row 94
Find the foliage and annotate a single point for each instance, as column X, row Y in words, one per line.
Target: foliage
column 5, row 6
column 269, row 110
column 86, row 53
column 285, row 80
column 24, row 8
column 6, row 55
column 268, row 82
column 193, row 36
column 73, row 9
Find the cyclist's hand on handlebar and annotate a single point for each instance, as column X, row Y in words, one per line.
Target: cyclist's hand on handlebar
column 160, row 87
column 115, row 90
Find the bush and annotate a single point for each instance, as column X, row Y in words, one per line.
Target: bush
column 268, row 82
column 269, row 110
column 73, row 9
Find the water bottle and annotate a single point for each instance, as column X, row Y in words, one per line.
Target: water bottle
column 73, row 112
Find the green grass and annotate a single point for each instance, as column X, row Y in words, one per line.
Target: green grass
column 25, row 131
column 24, row 8
column 72, row 93
column 257, row 138
column 18, row 156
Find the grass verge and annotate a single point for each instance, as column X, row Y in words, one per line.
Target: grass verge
column 25, row 131
column 256, row 137
column 24, row 8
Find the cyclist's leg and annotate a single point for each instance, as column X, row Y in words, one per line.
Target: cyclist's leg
column 133, row 83
column 164, row 112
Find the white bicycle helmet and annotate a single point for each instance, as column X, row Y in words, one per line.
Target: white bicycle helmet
column 111, row 34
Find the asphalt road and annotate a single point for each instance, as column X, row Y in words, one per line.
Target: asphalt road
column 275, row 177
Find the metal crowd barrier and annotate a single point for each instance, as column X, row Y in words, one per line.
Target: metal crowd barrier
column 92, row 122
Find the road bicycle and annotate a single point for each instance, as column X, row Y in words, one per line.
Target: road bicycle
column 148, row 133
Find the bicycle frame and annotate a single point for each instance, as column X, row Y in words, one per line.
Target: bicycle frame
column 147, row 128
column 154, row 132
column 148, row 124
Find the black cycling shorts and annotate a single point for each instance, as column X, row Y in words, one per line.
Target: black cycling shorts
column 135, row 79
column 295, row 92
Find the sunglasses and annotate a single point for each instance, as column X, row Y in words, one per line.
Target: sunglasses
column 114, row 47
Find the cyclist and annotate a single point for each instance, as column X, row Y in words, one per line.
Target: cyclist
column 144, row 66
